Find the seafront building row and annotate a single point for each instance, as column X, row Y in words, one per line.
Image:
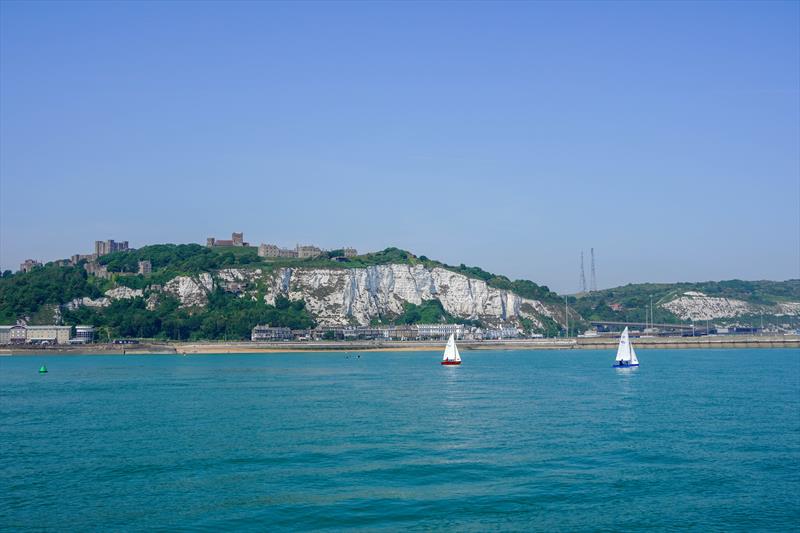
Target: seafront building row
column 21, row 333
column 24, row 334
column 404, row 332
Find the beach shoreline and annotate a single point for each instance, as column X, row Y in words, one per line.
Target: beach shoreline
column 587, row 343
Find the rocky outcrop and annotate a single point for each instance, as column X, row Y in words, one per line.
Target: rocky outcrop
column 192, row 291
column 88, row 302
column 355, row 296
column 153, row 301
column 787, row 309
column 238, row 275
column 117, row 293
column 693, row 305
column 237, row 280
column 697, row 306
column 123, row 293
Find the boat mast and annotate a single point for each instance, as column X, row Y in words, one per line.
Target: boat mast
column 630, row 350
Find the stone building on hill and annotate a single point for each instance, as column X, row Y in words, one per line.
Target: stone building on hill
column 75, row 259
column 300, row 251
column 145, row 267
column 272, row 251
column 237, row 239
column 96, row 269
column 308, row 251
column 29, row 265
column 109, row 246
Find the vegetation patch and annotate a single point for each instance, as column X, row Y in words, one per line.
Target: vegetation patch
column 226, row 317
column 23, row 294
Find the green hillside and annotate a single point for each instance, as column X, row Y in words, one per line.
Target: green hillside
column 37, row 295
column 634, row 299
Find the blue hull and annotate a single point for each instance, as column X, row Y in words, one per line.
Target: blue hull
column 625, row 366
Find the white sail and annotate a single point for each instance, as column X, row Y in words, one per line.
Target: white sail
column 634, row 360
column 451, row 350
column 624, row 348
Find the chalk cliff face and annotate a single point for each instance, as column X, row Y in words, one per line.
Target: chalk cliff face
column 695, row 305
column 355, row 296
column 352, row 295
column 88, row 302
column 788, row 308
column 192, row 291
column 117, row 293
column 123, row 293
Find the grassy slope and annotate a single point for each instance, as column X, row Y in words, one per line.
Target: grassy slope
column 635, row 298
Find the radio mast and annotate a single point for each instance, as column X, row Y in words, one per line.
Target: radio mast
column 593, row 286
column 583, row 275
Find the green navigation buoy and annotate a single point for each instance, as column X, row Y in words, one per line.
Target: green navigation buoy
column 43, row 369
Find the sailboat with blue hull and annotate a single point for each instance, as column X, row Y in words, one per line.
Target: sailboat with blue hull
column 626, row 355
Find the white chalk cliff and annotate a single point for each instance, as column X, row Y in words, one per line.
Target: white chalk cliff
column 342, row 296
column 117, row 293
column 192, row 291
column 356, row 295
column 694, row 305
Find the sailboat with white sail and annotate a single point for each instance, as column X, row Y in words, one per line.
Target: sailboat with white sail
column 451, row 355
column 626, row 355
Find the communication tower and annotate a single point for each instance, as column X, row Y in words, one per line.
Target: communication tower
column 583, row 275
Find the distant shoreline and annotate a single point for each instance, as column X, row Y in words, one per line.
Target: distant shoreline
column 589, row 343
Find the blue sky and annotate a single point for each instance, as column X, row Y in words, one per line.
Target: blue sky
column 505, row 135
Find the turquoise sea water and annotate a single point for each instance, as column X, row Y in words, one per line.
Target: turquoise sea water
column 514, row 440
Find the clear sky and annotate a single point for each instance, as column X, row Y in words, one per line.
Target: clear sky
column 505, row 135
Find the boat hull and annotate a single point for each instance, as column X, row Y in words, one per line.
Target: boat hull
column 451, row 363
column 626, row 366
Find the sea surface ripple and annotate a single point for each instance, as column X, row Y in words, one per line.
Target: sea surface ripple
column 705, row 440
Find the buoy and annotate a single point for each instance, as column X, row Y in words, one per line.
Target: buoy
column 43, row 369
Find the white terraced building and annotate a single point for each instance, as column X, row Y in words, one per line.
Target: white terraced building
column 268, row 333
column 440, row 331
